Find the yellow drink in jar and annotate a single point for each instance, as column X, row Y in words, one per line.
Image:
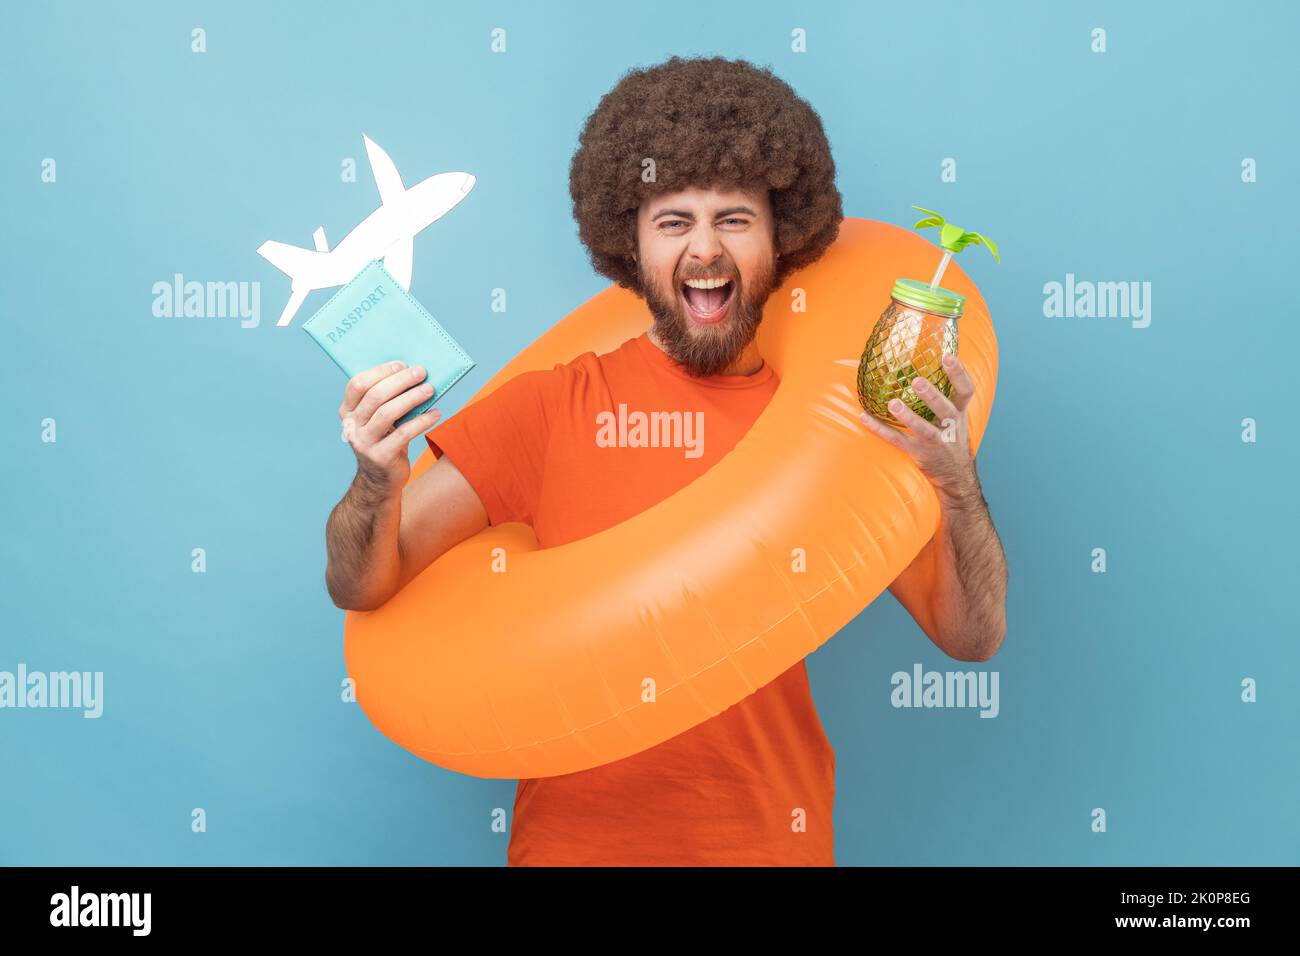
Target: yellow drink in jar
column 916, row 330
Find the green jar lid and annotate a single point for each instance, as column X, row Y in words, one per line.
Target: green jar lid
column 919, row 294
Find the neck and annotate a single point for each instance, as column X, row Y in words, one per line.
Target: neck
column 747, row 362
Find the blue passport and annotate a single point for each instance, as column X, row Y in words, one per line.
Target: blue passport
column 373, row 320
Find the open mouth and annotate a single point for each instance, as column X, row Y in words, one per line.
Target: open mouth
column 707, row 305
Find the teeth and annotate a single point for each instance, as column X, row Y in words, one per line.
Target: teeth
column 706, row 283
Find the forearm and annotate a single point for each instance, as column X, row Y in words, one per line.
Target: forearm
column 361, row 538
column 969, row 599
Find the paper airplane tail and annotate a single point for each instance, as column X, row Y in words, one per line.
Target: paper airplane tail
column 291, row 260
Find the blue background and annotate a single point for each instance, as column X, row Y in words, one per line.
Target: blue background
column 1118, row 690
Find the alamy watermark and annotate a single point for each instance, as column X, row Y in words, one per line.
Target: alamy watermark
column 922, row 688
column 1104, row 300
column 76, row 908
column 208, row 300
column 637, row 429
column 73, row 690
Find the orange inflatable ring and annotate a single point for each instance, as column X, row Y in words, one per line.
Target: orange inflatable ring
column 543, row 669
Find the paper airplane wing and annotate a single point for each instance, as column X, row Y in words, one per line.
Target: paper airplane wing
column 385, row 171
column 398, row 261
column 301, row 265
column 296, row 299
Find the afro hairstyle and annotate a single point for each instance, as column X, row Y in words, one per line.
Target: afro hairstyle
column 705, row 122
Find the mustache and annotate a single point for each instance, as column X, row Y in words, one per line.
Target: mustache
column 730, row 274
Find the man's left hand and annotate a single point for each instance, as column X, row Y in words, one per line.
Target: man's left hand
column 942, row 452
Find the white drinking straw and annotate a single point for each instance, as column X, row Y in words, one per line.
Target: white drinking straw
column 938, row 273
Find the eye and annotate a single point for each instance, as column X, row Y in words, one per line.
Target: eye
column 673, row 222
column 743, row 222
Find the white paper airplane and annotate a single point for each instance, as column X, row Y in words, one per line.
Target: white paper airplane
column 388, row 233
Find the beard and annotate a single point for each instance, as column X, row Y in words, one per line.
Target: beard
column 709, row 349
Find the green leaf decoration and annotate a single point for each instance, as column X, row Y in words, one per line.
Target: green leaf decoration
column 952, row 237
column 934, row 220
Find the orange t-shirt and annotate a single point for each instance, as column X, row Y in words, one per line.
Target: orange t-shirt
column 754, row 785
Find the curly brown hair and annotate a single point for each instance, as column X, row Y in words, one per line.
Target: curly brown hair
column 704, row 121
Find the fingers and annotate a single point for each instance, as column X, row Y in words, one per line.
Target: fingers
column 381, row 422
column 360, row 383
column 963, row 386
column 402, row 436
column 934, row 399
column 383, row 391
column 888, row 433
column 920, row 427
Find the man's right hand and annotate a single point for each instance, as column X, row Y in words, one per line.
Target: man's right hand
column 372, row 402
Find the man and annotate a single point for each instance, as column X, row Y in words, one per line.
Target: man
column 700, row 184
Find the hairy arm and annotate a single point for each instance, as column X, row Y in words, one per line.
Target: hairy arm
column 378, row 540
column 388, row 528
column 956, row 588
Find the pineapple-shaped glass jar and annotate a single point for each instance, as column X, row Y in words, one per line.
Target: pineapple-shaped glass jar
column 916, row 330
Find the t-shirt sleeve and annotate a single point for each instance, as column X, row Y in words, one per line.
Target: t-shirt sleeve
column 499, row 443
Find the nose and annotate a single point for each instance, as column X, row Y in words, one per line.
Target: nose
column 704, row 247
